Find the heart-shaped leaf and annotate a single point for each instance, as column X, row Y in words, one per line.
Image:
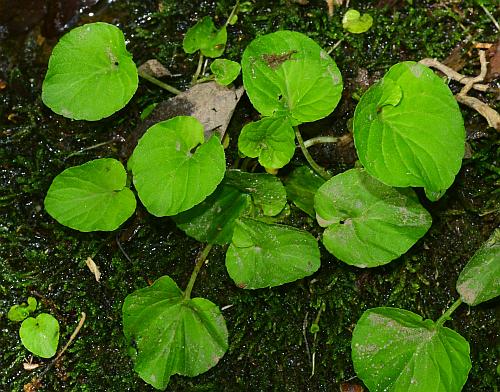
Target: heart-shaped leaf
column 91, row 74
column 92, row 196
column 266, row 255
column 40, row 335
column 408, row 130
column 205, row 37
column 356, row 23
column 368, row 223
column 173, row 169
column 301, row 186
column 172, row 334
column 271, row 139
column 225, row 71
column 395, row 350
column 479, row 281
column 288, row 74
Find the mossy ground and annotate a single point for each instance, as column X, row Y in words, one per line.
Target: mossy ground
column 268, row 328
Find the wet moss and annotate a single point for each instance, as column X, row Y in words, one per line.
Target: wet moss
column 268, row 328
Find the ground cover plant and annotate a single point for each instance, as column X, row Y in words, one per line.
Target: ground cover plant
column 255, row 215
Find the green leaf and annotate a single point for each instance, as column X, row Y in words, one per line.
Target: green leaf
column 368, row 223
column 356, row 23
column 301, row 186
column 204, row 36
column 271, row 139
column 172, row 335
column 395, row 350
column 408, row 130
column 264, row 255
column 173, row 168
column 479, row 281
column 225, row 71
column 267, row 192
column 40, row 335
column 20, row 312
column 91, row 197
column 288, row 74
column 91, row 74
column 213, row 219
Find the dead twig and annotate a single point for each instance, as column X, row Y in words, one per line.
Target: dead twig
column 491, row 115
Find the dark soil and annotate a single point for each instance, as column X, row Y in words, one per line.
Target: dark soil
column 269, row 328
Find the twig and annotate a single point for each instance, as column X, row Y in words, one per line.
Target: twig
column 304, row 333
column 121, row 249
column 159, row 83
column 488, row 13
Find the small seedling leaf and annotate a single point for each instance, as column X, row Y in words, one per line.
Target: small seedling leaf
column 267, row 255
column 368, row 223
column 395, row 350
column 40, row 335
column 240, row 193
column 408, row 130
column 356, row 23
column 91, row 197
column 205, row 37
column 288, row 74
column 479, row 281
column 267, row 192
column 271, row 139
column 225, row 71
column 301, row 186
column 20, row 312
column 172, row 335
column 91, row 74
column 173, row 168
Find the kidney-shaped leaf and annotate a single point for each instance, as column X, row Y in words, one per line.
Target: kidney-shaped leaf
column 204, row 36
column 266, row 255
column 173, row 169
column 271, row 139
column 479, row 281
column 91, row 74
column 225, row 71
column 40, row 335
column 368, row 223
column 287, row 73
column 91, row 197
column 356, row 23
column 172, row 335
column 408, row 130
column 394, row 350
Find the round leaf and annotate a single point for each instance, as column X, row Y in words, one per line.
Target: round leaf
column 264, row 255
column 368, row 223
column 271, row 139
column 173, row 169
column 355, row 23
column 172, row 335
column 20, row 312
column 479, row 281
column 40, row 335
column 225, row 71
column 91, row 197
column 91, row 74
column 287, row 73
column 203, row 36
column 408, row 130
column 395, row 350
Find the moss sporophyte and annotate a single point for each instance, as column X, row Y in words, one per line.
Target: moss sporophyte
column 408, row 132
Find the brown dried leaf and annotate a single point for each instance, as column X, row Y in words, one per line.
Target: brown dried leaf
column 493, row 56
column 93, row 268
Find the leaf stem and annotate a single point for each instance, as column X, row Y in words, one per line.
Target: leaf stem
column 159, row 83
column 317, row 168
column 233, row 12
column 202, row 256
column 320, row 139
column 198, row 69
column 446, row 315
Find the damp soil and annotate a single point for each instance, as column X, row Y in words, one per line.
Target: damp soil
column 271, row 346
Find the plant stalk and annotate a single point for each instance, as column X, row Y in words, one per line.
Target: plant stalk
column 233, row 12
column 446, row 315
column 198, row 69
column 202, row 256
column 320, row 139
column 159, row 83
column 317, row 168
